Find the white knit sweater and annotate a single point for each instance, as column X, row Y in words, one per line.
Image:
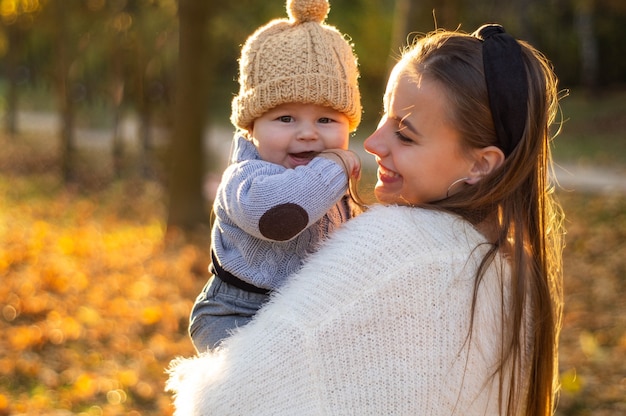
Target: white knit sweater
column 376, row 323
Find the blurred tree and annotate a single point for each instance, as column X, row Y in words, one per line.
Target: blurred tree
column 584, row 24
column 16, row 20
column 186, row 203
column 149, row 48
column 118, row 24
column 75, row 65
column 64, row 56
column 609, row 21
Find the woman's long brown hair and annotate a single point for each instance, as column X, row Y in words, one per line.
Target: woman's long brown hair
column 518, row 201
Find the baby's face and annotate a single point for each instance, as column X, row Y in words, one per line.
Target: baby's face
column 292, row 134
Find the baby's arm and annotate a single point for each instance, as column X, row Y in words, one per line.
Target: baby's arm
column 271, row 202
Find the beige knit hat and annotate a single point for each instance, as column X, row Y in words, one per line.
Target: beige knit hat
column 298, row 60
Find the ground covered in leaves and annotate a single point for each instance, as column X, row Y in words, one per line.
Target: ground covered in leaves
column 93, row 302
column 593, row 339
column 94, row 299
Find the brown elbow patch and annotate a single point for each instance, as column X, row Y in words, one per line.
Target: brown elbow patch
column 283, row 222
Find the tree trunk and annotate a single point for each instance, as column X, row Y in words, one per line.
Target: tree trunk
column 145, row 139
column 66, row 102
column 588, row 44
column 144, row 110
column 12, row 71
column 117, row 98
column 187, row 207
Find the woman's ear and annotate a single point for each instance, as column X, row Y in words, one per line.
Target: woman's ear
column 486, row 160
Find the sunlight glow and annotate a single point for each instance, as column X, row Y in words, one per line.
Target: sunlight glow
column 10, row 10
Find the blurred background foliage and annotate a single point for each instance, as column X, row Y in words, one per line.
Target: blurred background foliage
column 115, row 129
column 109, row 53
column 97, row 63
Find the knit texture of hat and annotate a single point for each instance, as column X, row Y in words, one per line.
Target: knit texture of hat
column 297, row 60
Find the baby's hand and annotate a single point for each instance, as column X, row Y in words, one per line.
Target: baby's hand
column 346, row 158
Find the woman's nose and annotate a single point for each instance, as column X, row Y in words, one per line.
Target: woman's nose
column 374, row 144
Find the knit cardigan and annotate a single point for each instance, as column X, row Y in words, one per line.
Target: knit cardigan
column 376, row 323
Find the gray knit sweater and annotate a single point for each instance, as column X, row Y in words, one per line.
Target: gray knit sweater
column 269, row 218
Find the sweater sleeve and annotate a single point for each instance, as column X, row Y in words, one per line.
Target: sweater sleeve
column 271, row 202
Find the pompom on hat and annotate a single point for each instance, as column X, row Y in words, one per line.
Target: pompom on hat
column 299, row 60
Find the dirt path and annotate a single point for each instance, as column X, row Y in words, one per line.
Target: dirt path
column 583, row 178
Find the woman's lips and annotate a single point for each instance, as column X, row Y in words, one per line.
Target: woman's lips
column 386, row 175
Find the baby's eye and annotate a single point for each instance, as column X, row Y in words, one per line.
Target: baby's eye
column 285, row 119
column 325, row 120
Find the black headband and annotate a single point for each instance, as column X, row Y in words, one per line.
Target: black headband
column 507, row 86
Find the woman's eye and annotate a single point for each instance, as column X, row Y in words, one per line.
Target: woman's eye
column 402, row 137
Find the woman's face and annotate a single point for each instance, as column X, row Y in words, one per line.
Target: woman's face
column 416, row 147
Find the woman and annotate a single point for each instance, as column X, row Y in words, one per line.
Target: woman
column 447, row 299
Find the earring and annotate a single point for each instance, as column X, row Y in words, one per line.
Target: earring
column 454, row 183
